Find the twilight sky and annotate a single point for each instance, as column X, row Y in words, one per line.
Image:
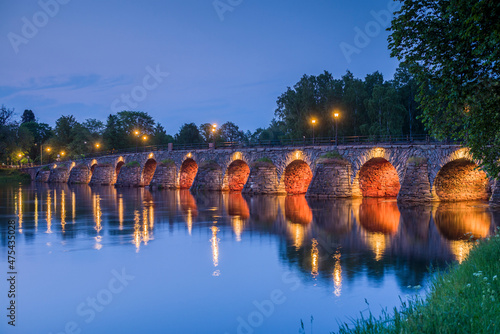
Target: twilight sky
column 181, row 61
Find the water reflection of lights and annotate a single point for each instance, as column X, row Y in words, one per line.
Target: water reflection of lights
column 63, row 210
column 97, row 212
column 49, row 212
column 137, row 230
column 377, row 242
column 189, row 220
column 36, row 212
column 337, row 274
column 237, row 224
column 73, row 206
column 120, row 211
column 314, row 258
column 461, row 249
column 215, row 246
column 19, row 209
column 297, row 233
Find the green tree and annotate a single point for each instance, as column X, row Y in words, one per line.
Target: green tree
column 28, row 116
column 230, row 132
column 188, row 134
column 451, row 47
column 160, row 136
column 114, row 134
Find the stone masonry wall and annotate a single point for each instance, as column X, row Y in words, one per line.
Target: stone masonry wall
column 80, row 174
column 164, row 176
column 103, row 175
column 208, row 178
column 495, row 197
column 129, row 176
column 42, row 176
column 416, row 186
column 332, row 179
column 59, row 175
column 263, row 179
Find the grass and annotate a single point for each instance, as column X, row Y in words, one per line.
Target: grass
column 417, row 160
column 264, row 159
column 13, row 175
column 465, row 299
column 332, row 155
column 133, row 164
column 167, row 162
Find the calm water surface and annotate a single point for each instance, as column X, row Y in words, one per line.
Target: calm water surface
column 106, row 260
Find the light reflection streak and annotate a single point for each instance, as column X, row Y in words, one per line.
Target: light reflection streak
column 189, row 220
column 377, row 244
column 337, row 274
column 237, row 227
column 20, row 209
column 36, row 212
column 215, row 246
column 97, row 212
column 49, row 212
column 73, row 206
column 461, row 249
column 63, row 210
column 120, row 211
column 297, row 232
column 137, row 230
column 314, row 258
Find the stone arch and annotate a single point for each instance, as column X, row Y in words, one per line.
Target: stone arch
column 378, row 177
column 297, row 177
column 93, row 164
column 118, row 166
column 187, row 173
column 237, row 174
column 148, row 172
column 461, row 180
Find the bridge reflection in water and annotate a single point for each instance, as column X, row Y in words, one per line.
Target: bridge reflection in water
column 319, row 237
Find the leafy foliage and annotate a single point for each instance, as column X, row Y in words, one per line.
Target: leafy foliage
column 451, row 48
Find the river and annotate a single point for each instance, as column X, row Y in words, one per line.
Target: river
column 131, row 260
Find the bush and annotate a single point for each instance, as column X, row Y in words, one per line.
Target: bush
column 133, row 164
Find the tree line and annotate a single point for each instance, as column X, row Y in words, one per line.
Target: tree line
column 367, row 107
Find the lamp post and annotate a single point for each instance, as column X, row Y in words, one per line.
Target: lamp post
column 41, row 153
column 313, row 124
column 214, row 129
column 144, row 139
column 336, row 116
column 137, row 133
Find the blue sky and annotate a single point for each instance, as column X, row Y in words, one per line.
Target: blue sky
column 215, row 61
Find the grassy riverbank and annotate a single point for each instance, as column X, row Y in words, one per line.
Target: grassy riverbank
column 13, row 176
column 465, row 299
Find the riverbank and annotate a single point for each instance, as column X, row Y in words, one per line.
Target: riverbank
column 465, row 299
column 13, row 175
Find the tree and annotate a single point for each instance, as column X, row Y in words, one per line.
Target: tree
column 5, row 115
column 160, row 136
column 188, row 134
column 451, row 47
column 113, row 134
column 206, row 132
column 230, row 132
column 28, row 116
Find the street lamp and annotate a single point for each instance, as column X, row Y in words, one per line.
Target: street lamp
column 336, row 116
column 41, row 153
column 214, row 129
column 97, row 145
column 313, row 124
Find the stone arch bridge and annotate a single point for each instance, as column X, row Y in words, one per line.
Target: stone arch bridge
column 418, row 173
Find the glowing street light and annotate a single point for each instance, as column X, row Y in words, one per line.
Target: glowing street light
column 144, row 138
column 313, row 121
column 214, row 129
column 336, row 116
column 97, row 145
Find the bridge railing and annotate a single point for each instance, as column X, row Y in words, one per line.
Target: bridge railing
column 304, row 142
